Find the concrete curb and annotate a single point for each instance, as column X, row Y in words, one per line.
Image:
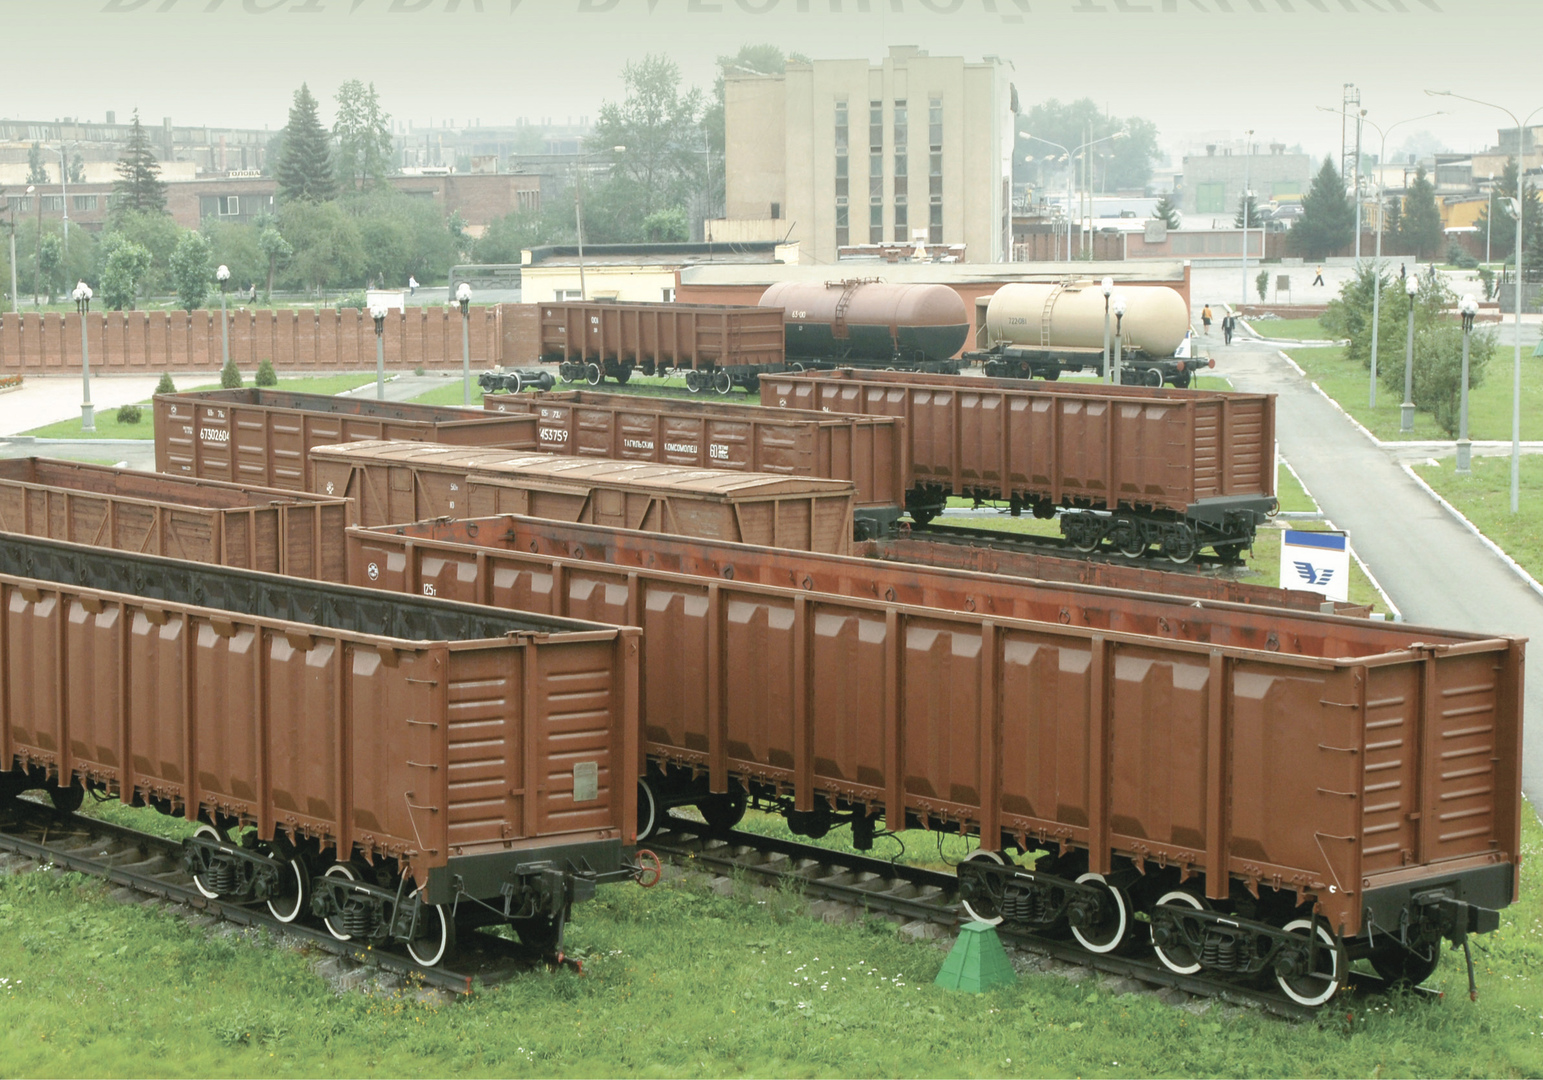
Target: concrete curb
column 1516, row 567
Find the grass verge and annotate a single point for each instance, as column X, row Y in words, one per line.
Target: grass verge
column 1489, row 404
column 1484, row 498
column 1290, row 329
column 681, row 981
column 108, row 427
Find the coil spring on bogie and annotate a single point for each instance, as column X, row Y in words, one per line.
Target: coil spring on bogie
column 1028, row 906
column 221, row 877
column 1223, row 952
column 358, row 921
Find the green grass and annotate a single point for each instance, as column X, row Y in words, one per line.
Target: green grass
column 1290, row 329
column 1485, row 499
column 1293, row 497
column 108, row 427
column 1489, row 404
column 1263, row 564
column 682, row 982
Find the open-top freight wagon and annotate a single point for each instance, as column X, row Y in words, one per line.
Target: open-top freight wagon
column 393, row 482
column 869, row 451
column 408, row 765
column 205, row 521
column 1133, row 466
column 264, row 437
column 1256, row 797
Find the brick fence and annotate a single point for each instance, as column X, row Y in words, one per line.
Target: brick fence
column 150, row 341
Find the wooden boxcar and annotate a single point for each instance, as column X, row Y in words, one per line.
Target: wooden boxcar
column 1310, row 783
column 869, row 451
column 205, row 521
column 263, row 437
column 467, row 750
column 1180, row 469
column 402, row 482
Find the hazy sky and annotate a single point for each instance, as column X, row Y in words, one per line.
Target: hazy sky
column 1197, row 68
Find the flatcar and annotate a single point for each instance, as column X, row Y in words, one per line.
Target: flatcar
column 1130, row 466
column 391, row 762
column 1251, row 798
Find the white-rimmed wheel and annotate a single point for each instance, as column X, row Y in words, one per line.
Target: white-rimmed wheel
column 983, row 910
column 294, row 895
column 335, row 923
column 722, row 383
column 1111, row 928
column 435, row 935
column 648, row 810
column 207, row 832
column 1177, row 956
column 1327, row 974
column 593, row 374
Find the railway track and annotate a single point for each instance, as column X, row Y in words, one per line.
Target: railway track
column 911, row 893
column 152, row 866
column 1202, row 564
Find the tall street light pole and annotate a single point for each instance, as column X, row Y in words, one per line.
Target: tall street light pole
column 1107, row 287
column 463, row 297
column 1406, row 417
column 1469, row 308
column 1359, row 120
column 578, row 209
column 1071, row 157
column 15, row 310
column 1489, row 220
column 1516, row 371
column 378, row 312
column 222, row 275
column 1117, row 304
column 82, row 298
column 1382, row 152
column 1248, row 154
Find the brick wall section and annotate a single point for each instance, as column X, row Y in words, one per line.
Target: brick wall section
column 521, row 338
column 296, row 341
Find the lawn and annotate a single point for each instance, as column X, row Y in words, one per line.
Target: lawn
column 1290, row 329
column 109, row 427
column 680, row 981
column 1485, row 499
column 1489, row 404
column 1293, row 497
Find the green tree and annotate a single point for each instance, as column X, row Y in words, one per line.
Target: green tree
column 1248, row 204
column 37, row 172
column 124, row 266
column 77, row 169
column 266, row 376
column 166, row 386
column 1394, row 209
column 363, row 132
column 50, row 255
column 1420, row 224
column 193, row 270
column 1262, row 284
column 230, row 376
column 1119, row 164
column 657, row 123
column 505, row 237
column 1328, row 216
column 1166, row 211
column 138, row 189
column 667, row 226
column 235, row 245
column 327, row 246
column 276, row 249
column 305, row 164
column 1502, row 237
column 158, row 234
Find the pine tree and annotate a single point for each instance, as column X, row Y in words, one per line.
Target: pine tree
column 36, row 173
column 363, row 131
column 1502, row 236
column 1166, row 211
column 1249, row 203
column 1420, row 223
column 1328, row 216
column 305, row 164
column 139, row 186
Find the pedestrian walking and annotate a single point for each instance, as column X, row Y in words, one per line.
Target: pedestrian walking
column 1229, row 321
column 412, row 285
column 1205, row 319
column 252, row 293
column 1319, row 279
column 1403, row 271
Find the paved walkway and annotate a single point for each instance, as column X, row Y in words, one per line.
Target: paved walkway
column 1436, row 571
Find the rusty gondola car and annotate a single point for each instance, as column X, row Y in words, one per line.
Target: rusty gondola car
column 1137, row 467
column 396, row 756
column 1257, row 796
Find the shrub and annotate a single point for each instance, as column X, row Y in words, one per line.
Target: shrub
column 230, row 378
column 1262, row 283
column 166, row 386
column 1459, row 257
column 266, row 376
column 356, row 301
column 130, row 414
column 1487, row 280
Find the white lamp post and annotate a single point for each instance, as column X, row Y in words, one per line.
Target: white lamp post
column 578, row 209
column 378, row 312
column 1406, row 420
column 82, row 298
column 463, row 297
column 1070, row 158
column 1469, row 307
column 1117, row 305
column 222, row 275
column 1248, row 157
column 1106, row 287
column 1516, row 372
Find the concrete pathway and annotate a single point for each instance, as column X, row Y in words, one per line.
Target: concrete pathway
column 1436, row 571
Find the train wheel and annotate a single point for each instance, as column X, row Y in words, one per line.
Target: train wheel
column 335, row 925
column 984, row 910
column 1111, row 927
column 1179, row 543
column 1083, row 536
column 435, row 937
column 648, row 810
column 66, row 798
column 723, row 812
column 208, row 832
column 693, row 381
column 1128, row 539
column 294, row 896
column 1316, row 986
column 623, row 374
column 1400, row 965
column 722, row 383
column 923, row 517
column 1154, row 377
column 542, row 933
column 593, row 375
column 1230, row 552
column 1177, row 956
column 568, row 371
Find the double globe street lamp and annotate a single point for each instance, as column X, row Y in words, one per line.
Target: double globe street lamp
column 1406, row 420
column 463, row 297
column 1117, row 305
column 1107, row 288
column 1469, row 307
column 222, row 275
column 378, row 312
column 82, row 297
